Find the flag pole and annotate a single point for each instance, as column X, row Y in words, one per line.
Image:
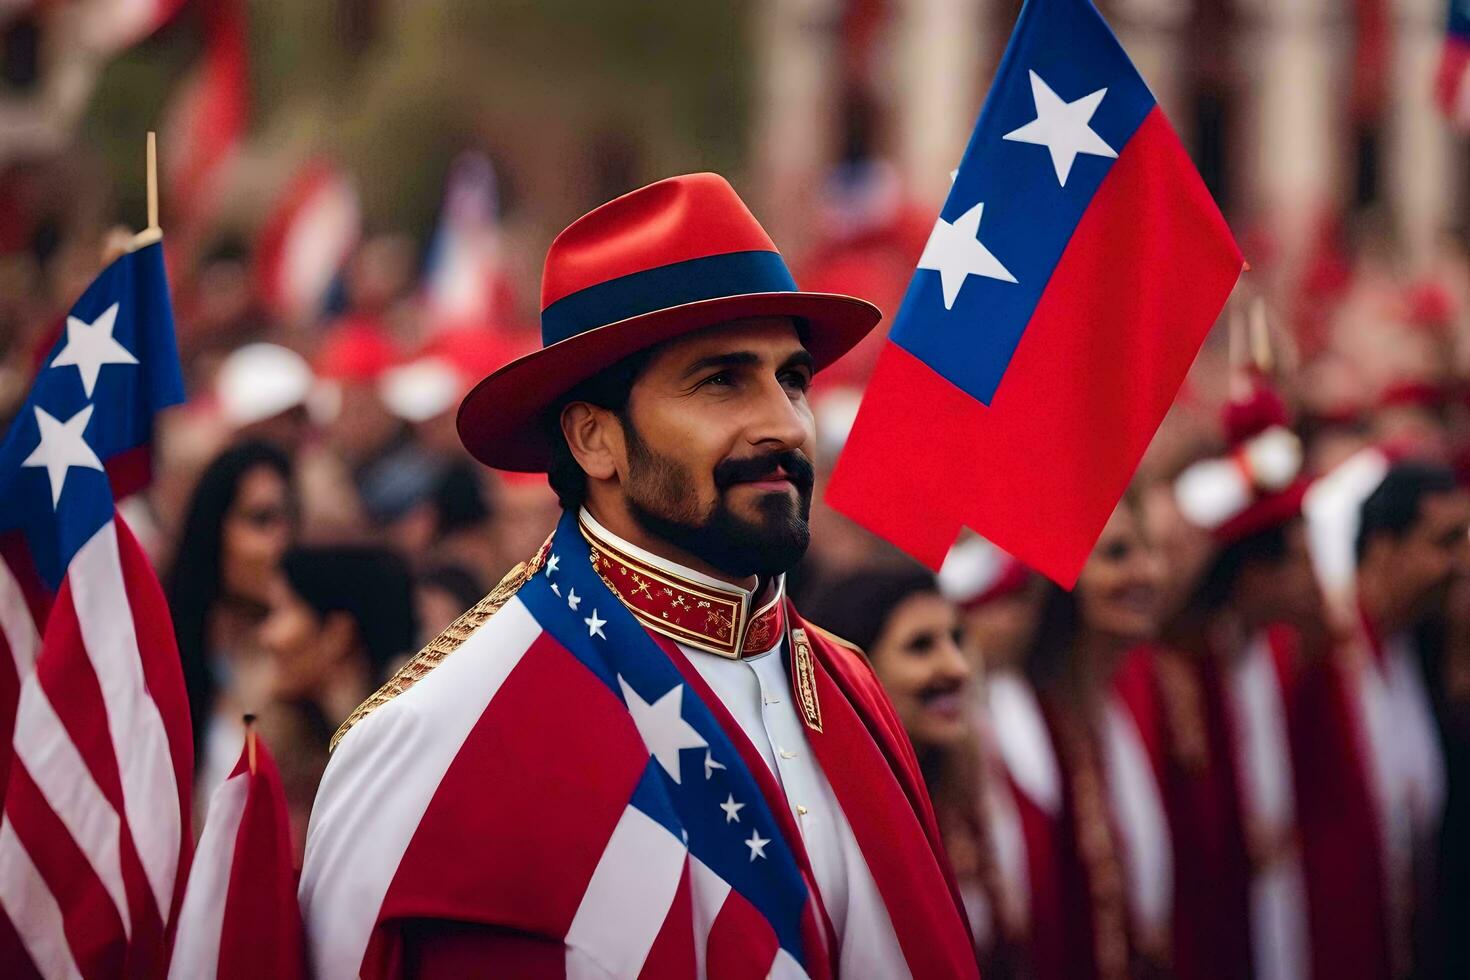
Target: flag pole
column 1260, row 336
column 250, row 741
column 153, row 232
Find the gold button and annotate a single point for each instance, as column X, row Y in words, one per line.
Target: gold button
column 785, row 754
column 800, row 810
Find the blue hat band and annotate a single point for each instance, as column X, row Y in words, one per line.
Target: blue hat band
column 690, row 281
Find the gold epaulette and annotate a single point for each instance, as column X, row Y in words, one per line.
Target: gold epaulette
column 446, row 642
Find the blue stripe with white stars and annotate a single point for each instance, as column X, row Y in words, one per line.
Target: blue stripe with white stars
column 715, row 800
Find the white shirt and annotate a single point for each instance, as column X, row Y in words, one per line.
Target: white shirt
column 756, row 691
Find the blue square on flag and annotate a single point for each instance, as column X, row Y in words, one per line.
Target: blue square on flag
column 89, row 418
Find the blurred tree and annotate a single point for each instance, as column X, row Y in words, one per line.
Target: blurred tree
column 571, row 96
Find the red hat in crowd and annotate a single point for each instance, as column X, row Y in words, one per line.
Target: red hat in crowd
column 658, row 263
column 356, row 348
column 1259, row 484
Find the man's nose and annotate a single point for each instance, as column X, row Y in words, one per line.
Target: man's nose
column 778, row 421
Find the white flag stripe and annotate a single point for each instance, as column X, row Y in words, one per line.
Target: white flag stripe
column 51, row 759
column 786, row 968
column 16, row 623
column 629, row 896
column 202, row 916
column 707, row 893
column 380, row 760
column 32, row 910
column 145, row 762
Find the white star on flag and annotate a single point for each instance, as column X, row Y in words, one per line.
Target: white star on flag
column 595, row 625
column 91, row 345
column 710, row 765
column 954, row 251
column 757, row 845
column 662, row 726
column 732, row 809
column 573, row 600
column 1062, row 127
column 62, row 446
column 556, row 588
column 551, row 564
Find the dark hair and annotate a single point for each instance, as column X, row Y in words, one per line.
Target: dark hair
column 372, row 585
column 1393, row 508
column 459, row 499
column 1058, row 623
column 457, row 580
column 607, row 389
column 1223, row 574
column 194, row 580
column 856, row 606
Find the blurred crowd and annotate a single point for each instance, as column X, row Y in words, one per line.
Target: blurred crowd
column 1239, row 747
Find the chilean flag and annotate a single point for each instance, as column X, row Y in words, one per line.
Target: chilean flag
column 1452, row 81
column 1072, row 275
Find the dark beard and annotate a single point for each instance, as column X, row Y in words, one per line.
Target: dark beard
column 661, row 498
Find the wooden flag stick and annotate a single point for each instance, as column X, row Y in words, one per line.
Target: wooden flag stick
column 153, row 232
column 152, row 180
column 250, row 741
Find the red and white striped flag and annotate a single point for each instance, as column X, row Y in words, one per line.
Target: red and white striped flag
column 205, row 122
column 306, row 241
column 240, row 917
column 95, row 838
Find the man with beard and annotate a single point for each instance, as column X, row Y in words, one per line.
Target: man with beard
column 634, row 758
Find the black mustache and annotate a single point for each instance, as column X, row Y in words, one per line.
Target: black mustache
column 792, row 461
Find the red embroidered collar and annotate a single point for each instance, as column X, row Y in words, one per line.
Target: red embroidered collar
column 701, row 613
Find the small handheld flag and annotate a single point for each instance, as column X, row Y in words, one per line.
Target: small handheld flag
column 239, row 917
column 1072, row 275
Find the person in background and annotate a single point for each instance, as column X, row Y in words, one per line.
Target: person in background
column 997, row 596
column 999, row 600
column 239, row 523
column 388, row 467
column 1370, row 759
column 1225, row 680
column 264, row 393
column 1097, row 838
column 441, row 593
column 340, row 620
column 911, row 633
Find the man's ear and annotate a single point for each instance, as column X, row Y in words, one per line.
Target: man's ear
column 595, row 438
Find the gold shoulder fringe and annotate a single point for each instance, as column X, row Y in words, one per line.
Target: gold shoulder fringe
column 445, row 643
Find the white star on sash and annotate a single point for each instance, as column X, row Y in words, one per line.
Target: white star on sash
column 662, row 726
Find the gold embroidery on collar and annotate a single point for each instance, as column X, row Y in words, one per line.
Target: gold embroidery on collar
column 702, row 616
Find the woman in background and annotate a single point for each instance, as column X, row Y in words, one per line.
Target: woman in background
column 911, row 635
column 1100, row 859
column 238, row 525
column 341, row 621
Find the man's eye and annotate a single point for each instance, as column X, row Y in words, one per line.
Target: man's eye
column 721, row 380
column 796, row 379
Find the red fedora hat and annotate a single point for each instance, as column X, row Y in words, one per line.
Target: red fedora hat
column 660, row 262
